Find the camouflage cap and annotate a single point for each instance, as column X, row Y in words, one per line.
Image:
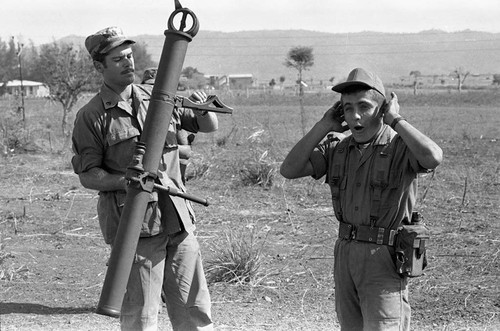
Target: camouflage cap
column 360, row 76
column 105, row 40
column 149, row 76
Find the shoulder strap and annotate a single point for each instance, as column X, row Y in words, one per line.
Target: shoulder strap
column 380, row 178
column 337, row 178
column 106, row 120
column 145, row 88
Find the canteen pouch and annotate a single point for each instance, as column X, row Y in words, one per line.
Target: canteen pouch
column 410, row 249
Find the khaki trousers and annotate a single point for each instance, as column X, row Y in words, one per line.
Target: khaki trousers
column 369, row 294
column 174, row 264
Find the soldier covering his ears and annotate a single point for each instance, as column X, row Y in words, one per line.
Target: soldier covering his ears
column 372, row 174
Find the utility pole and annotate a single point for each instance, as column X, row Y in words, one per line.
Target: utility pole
column 18, row 53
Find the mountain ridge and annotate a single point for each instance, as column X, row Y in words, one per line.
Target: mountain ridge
column 392, row 55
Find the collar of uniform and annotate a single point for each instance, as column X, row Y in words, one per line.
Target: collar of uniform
column 140, row 93
column 110, row 99
column 383, row 137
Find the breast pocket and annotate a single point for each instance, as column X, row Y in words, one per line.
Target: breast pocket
column 119, row 135
column 121, row 146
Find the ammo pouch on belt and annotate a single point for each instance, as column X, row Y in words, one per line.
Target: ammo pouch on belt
column 410, row 249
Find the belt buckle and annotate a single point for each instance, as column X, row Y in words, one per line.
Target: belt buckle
column 392, row 236
column 353, row 233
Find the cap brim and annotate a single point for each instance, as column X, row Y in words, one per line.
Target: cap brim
column 115, row 44
column 342, row 86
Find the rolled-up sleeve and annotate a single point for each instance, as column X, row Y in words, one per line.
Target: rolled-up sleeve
column 322, row 154
column 88, row 141
column 318, row 161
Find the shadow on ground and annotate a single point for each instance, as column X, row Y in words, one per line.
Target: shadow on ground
column 33, row 308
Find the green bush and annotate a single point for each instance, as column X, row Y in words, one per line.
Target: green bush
column 14, row 135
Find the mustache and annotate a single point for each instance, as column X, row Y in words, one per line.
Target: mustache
column 129, row 70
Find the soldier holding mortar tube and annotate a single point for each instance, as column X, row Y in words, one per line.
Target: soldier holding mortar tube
column 105, row 134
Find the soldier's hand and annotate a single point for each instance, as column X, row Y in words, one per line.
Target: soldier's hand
column 199, row 97
column 335, row 117
column 390, row 110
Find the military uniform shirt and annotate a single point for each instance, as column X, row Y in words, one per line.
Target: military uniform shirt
column 397, row 199
column 105, row 134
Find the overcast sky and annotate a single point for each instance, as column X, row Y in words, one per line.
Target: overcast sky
column 45, row 20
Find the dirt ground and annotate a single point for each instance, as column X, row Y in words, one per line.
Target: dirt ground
column 53, row 260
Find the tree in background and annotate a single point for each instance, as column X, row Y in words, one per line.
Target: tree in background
column 30, row 59
column 415, row 74
column 282, row 81
column 8, row 61
column 69, row 72
column 460, row 74
column 11, row 68
column 496, row 79
column 272, row 83
column 190, row 72
column 194, row 78
column 142, row 59
column 301, row 58
column 3, row 56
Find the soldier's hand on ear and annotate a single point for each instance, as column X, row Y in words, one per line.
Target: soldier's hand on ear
column 335, row 117
column 391, row 109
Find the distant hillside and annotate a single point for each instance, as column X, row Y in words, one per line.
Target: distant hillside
column 392, row 55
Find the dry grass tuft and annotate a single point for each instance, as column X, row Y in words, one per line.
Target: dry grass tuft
column 198, row 168
column 238, row 258
column 9, row 272
column 260, row 171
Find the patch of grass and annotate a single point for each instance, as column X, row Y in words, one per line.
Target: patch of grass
column 8, row 271
column 4, row 255
column 197, row 168
column 257, row 165
column 260, row 171
column 223, row 140
column 238, row 258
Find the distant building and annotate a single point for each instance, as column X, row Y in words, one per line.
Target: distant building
column 31, row 89
column 442, row 80
column 231, row 82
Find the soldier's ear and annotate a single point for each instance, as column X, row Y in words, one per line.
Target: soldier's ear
column 383, row 108
column 99, row 66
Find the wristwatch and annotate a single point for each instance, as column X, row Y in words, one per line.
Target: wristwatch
column 396, row 121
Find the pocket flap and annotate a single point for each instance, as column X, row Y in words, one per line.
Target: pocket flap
column 116, row 136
